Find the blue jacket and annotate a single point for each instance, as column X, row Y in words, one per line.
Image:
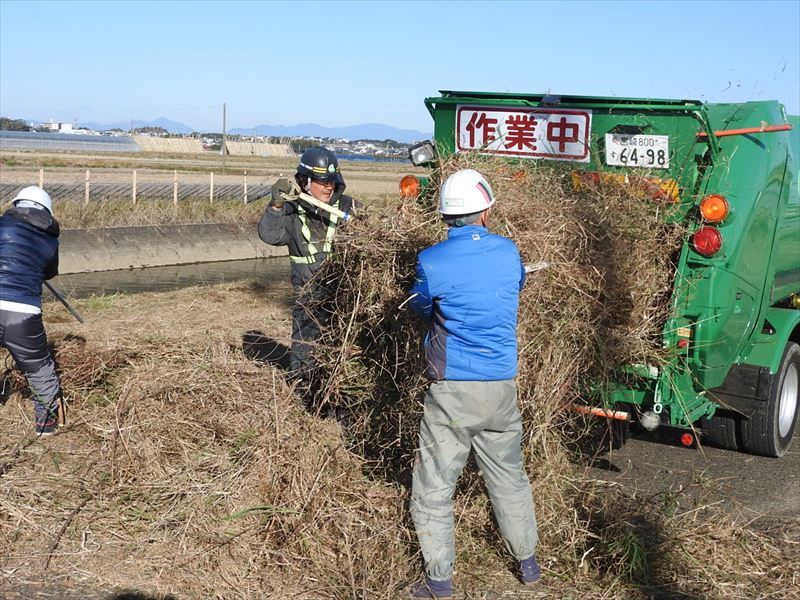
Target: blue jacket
column 28, row 254
column 468, row 287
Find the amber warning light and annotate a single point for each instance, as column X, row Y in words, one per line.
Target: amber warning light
column 409, row 187
column 714, row 208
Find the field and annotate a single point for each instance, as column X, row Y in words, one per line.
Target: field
column 363, row 178
column 190, row 470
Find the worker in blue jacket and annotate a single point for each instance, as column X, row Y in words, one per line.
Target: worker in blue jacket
column 467, row 288
column 28, row 256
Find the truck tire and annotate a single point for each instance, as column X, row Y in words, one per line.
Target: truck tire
column 720, row 431
column 769, row 431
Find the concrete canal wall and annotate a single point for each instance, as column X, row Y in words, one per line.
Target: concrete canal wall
column 87, row 250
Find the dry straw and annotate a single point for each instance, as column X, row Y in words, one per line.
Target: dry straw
column 188, row 469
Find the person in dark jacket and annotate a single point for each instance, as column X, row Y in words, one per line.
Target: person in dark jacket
column 28, row 256
column 467, row 289
column 309, row 233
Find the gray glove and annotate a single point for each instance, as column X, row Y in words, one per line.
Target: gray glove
column 282, row 186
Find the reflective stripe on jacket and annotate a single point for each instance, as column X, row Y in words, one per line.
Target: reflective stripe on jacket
column 468, row 287
column 308, row 232
column 311, row 246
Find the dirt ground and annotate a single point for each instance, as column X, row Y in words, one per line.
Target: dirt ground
column 746, row 487
column 109, row 527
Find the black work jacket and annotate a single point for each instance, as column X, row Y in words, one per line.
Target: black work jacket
column 285, row 227
column 28, row 254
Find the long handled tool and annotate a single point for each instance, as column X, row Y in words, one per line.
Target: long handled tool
column 60, row 297
column 318, row 203
column 537, row 266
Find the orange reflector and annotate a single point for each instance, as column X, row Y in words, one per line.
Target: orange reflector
column 620, row 415
column 714, row 208
column 409, row 187
column 687, row 439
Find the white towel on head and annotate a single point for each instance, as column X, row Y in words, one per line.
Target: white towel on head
column 29, row 204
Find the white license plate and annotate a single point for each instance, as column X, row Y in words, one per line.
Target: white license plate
column 648, row 151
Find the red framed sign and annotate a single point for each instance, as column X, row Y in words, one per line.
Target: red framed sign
column 554, row 134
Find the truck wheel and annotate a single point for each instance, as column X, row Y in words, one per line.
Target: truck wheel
column 769, row 431
column 720, row 431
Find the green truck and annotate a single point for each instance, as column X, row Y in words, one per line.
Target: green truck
column 733, row 169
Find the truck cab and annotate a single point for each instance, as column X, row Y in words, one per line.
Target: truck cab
column 731, row 171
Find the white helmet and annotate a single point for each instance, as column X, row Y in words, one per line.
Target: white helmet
column 465, row 192
column 35, row 197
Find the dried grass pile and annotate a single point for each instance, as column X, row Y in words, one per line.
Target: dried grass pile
column 189, row 470
column 601, row 303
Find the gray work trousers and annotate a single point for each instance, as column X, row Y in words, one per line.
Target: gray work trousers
column 460, row 415
column 24, row 337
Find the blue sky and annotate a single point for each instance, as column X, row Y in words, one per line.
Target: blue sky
column 346, row 63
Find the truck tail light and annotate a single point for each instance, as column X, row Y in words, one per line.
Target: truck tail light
column 707, row 241
column 409, row 187
column 714, row 208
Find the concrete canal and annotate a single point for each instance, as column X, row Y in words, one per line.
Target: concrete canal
column 137, row 259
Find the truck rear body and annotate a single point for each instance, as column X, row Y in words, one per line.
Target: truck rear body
column 733, row 309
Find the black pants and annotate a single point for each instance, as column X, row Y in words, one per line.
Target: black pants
column 24, row 337
column 310, row 314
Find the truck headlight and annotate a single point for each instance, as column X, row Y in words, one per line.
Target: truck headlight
column 422, row 153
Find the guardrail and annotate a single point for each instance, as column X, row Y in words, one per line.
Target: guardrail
column 176, row 191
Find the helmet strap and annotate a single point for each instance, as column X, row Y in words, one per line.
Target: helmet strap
column 461, row 220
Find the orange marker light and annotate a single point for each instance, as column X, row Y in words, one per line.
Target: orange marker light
column 409, row 187
column 714, row 208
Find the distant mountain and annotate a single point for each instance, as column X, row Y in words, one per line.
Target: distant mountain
column 366, row 131
column 171, row 126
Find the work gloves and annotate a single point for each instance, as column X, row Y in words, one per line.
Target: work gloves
column 282, row 186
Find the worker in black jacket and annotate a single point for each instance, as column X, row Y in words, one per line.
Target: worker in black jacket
column 29, row 256
column 309, row 233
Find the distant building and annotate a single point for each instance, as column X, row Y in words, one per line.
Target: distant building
column 60, row 127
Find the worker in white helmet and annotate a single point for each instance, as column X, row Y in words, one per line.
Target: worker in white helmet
column 29, row 256
column 467, row 288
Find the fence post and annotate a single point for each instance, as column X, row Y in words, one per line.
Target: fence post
column 41, row 178
column 134, row 186
column 175, row 187
column 245, row 187
column 211, row 189
column 86, row 196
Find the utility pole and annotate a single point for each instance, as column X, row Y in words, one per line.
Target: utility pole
column 224, row 137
